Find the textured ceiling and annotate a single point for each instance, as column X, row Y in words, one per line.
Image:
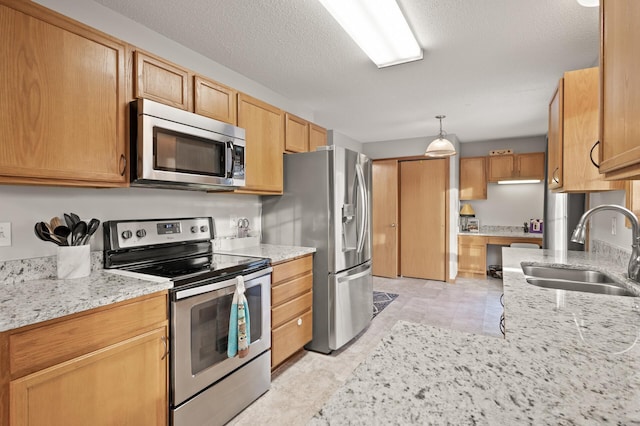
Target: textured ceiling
column 489, row 65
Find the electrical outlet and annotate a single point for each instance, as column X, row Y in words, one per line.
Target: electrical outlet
column 613, row 225
column 5, row 234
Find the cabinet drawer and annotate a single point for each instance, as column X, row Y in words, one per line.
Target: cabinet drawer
column 290, row 269
column 291, row 309
column 41, row 347
column 290, row 289
column 290, row 338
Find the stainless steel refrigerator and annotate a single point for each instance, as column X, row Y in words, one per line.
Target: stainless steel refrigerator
column 327, row 205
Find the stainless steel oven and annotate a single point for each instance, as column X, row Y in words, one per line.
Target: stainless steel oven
column 199, row 335
column 207, row 387
column 172, row 148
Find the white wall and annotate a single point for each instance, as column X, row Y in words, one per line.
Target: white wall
column 601, row 222
column 510, row 205
column 338, row 139
column 23, row 206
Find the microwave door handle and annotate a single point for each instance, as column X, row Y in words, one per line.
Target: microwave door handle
column 230, row 159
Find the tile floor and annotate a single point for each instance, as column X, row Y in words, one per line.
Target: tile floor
column 301, row 386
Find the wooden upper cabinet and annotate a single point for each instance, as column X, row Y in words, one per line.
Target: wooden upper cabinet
column 473, row 178
column 619, row 88
column 317, row 137
column 63, row 100
column 573, row 132
column 161, row 81
column 214, row 100
column 296, row 134
column 264, row 126
column 516, row 166
column 554, row 167
column 501, row 167
column 530, row 166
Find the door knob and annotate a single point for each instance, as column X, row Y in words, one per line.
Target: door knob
column 393, row 225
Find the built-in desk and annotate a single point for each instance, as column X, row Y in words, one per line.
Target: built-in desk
column 472, row 249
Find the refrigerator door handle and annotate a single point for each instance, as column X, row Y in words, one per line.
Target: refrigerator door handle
column 362, row 192
column 355, row 276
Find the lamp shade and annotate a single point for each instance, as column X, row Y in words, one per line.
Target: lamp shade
column 440, row 147
column 467, row 210
column 589, row 3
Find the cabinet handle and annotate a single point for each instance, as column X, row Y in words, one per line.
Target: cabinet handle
column 591, row 155
column 299, row 321
column 166, row 347
column 123, row 163
column 553, row 175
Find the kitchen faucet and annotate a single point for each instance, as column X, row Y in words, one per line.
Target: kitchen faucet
column 578, row 235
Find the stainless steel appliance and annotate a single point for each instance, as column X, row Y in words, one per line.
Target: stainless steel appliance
column 206, row 387
column 327, row 204
column 173, row 148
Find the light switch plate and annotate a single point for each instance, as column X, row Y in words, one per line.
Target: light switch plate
column 5, row 234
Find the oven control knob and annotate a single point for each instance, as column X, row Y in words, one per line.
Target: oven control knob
column 204, row 228
column 194, row 229
column 127, row 234
column 141, row 233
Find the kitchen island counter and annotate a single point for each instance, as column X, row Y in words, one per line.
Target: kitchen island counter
column 276, row 253
column 568, row 358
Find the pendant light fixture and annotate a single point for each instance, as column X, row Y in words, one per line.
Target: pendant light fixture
column 440, row 147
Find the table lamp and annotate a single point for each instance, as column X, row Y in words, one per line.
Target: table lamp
column 465, row 213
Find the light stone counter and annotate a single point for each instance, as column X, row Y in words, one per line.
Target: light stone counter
column 30, row 302
column 511, row 234
column 568, row 358
column 274, row 252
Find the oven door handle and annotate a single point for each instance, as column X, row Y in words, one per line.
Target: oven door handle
column 182, row 294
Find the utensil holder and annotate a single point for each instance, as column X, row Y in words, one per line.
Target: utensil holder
column 73, row 261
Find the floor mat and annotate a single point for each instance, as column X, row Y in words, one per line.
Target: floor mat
column 381, row 300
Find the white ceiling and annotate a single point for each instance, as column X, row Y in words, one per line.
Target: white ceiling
column 489, row 65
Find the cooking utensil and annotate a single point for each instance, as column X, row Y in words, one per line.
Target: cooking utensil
column 78, row 233
column 41, row 232
column 62, row 232
column 55, row 222
column 91, row 229
column 75, row 218
column 69, row 220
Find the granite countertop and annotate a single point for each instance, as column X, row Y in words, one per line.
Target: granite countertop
column 276, row 253
column 30, row 302
column 568, row 358
column 512, row 234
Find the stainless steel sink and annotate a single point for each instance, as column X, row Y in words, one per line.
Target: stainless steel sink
column 584, row 280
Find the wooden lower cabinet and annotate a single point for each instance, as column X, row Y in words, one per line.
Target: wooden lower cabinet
column 291, row 308
column 472, row 256
column 101, row 367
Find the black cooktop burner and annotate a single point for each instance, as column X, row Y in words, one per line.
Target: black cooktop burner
column 186, row 271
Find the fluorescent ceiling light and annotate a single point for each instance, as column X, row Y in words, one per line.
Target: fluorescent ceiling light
column 513, row 182
column 378, row 27
column 589, row 3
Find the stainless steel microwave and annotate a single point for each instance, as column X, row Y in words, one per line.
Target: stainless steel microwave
column 177, row 149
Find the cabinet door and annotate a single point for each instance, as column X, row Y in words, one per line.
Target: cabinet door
column 554, row 169
column 472, row 256
column 317, row 137
column 385, row 218
column 161, row 81
column 530, row 166
column 63, row 101
column 264, row 126
column 501, row 167
column 125, row 383
column 619, row 88
column 296, row 134
column 473, row 178
column 214, row 100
